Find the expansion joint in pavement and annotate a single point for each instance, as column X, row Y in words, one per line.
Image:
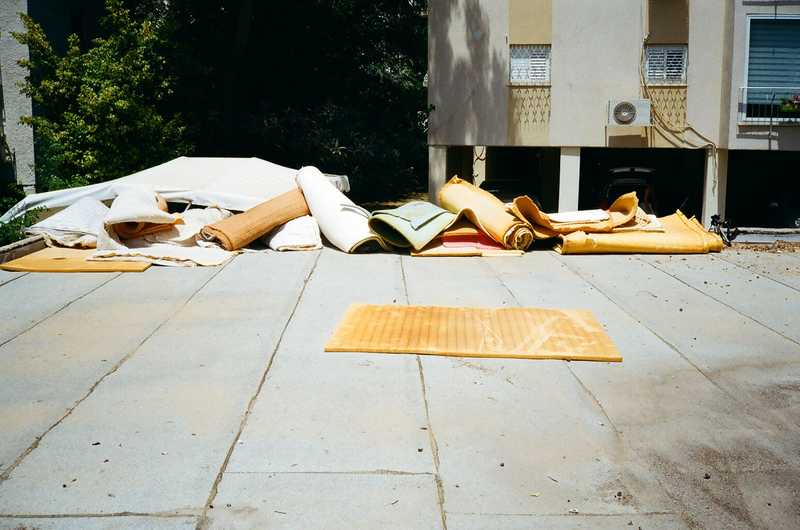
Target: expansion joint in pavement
column 202, row 524
column 4, row 475
column 63, row 307
column 748, row 317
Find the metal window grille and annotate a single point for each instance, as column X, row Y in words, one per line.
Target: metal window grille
column 666, row 64
column 530, row 64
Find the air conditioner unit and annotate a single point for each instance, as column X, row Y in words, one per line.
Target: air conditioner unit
column 629, row 112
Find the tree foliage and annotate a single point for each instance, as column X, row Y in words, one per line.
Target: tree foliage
column 333, row 83
column 105, row 111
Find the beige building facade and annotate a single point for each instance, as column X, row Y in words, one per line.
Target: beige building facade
column 545, row 77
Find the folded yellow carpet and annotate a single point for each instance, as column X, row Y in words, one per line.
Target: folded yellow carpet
column 59, row 259
column 620, row 212
column 242, row 229
column 509, row 332
column 487, row 212
column 680, row 236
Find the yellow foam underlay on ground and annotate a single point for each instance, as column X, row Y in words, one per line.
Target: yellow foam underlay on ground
column 508, row 332
column 680, row 236
column 57, row 259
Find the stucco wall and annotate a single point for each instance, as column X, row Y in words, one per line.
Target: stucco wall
column 530, row 21
column 751, row 136
column 595, row 58
column 668, row 21
column 468, row 72
column 19, row 137
column 707, row 75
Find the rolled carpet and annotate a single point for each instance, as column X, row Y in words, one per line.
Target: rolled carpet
column 487, row 212
column 621, row 211
column 680, row 236
column 242, row 229
column 342, row 222
column 137, row 212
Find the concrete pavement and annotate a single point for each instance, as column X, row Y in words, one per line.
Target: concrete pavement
column 202, row 398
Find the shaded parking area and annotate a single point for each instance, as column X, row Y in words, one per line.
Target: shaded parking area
column 202, row 398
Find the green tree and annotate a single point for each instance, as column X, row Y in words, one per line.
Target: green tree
column 106, row 111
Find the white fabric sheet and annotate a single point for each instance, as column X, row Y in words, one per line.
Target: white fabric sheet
column 301, row 233
column 136, row 205
column 172, row 248
column 581, row 216
column 230, row 183
column 75, row 226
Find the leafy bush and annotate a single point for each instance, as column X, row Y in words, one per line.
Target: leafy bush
column 10, row 194
column 103, row 112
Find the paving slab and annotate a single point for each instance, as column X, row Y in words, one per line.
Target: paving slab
column 52, row 366
column 153, row 435
column 782, row 267
column 772, row 304
column 8, row 276
column 338, row 412
column 756, row 366
column 565, row 522
column 688, row 447
column 509, row 429
column 34, row 297
column 99, row 523
column 325, row 501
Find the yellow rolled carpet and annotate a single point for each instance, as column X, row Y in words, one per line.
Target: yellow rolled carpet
column 487, row 212
column 507, row 332
column 242, row 229
column 620, row 212
column 680, row 236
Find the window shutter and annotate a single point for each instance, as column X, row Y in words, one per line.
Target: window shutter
column 665, row 64
column 530, row 64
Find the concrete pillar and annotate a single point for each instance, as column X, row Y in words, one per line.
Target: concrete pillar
column 437, row 170
column 16, row 105
column 715, row 185
column 479, row 164
column 569, row 179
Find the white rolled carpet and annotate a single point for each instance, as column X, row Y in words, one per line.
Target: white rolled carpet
column 341, row 221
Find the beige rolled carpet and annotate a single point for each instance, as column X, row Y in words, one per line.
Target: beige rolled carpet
column 487, row 212
column 621, row 212
column 136, row 213
column 240, row 230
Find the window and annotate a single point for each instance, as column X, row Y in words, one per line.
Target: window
column 773, row 65
column 665, row 65
column 530, row 64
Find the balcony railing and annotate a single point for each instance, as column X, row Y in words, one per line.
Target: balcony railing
column 769, row 105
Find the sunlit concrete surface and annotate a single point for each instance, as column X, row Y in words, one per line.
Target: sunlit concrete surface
column 202, row 398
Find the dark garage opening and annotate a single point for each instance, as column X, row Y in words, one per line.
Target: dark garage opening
column 532, row 171
column 764, row 189
column 672, row 178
